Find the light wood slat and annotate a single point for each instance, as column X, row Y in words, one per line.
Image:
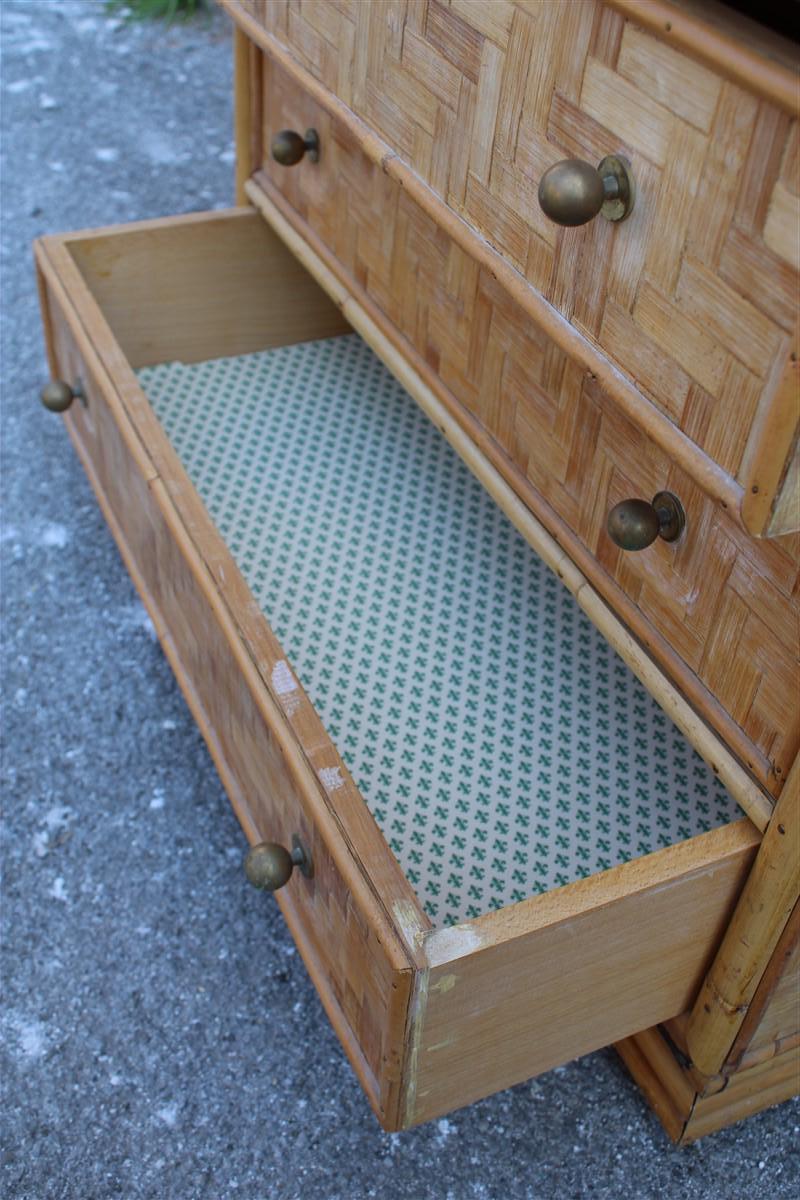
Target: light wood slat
column 677, row 82
column 738, row 49
column 627, row 111
column 782, row 227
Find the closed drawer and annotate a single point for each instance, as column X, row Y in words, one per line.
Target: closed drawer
column 694, row 296
column 718, row 607
column 537, row 884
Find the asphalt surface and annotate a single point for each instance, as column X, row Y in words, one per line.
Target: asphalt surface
column 160, row 1036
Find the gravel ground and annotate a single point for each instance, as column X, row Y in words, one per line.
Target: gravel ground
column 160, row 1037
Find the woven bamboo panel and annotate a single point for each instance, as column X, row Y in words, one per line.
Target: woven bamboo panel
column 722, row 599
column 694, row 296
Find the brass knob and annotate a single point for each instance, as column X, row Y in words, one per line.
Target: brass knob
column 571, row 192
column 288, row 147
column 635, row 524
column 58, row 396
column 269, row 866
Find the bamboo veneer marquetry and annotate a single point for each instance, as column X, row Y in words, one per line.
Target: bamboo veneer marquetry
column 720, row 602
column 694, row 299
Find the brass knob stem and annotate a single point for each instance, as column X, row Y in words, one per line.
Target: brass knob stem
column 58, row 395
column 572, row 191
column 289, row 147
column 269, row 866
column 635, row 524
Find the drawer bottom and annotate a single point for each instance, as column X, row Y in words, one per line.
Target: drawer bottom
column 501, row 745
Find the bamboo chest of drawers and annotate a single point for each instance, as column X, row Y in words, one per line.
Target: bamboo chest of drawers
column 459, row 475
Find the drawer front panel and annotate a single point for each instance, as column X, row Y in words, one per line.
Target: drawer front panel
column 693, row 296
column 720, row 599
column 364, row 993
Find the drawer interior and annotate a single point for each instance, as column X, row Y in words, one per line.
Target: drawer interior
column 501, row 745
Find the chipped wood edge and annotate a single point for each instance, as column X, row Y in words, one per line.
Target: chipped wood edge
column 643, row 414
column 744, row 790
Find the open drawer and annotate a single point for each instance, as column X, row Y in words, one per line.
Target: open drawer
column 517, row 858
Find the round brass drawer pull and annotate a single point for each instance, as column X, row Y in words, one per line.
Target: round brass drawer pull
column 58, row 396
column 635, row 524
column 571, row 192
column 289, row 147
column 269, row 866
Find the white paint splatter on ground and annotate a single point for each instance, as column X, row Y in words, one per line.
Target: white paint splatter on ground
column 159, row 149
column 26, row 1035
column 168, row 1114
column 58, row 890
column 54, row 534
column 445, row 1130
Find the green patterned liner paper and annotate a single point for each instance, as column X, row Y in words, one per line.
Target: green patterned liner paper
column 502, row 746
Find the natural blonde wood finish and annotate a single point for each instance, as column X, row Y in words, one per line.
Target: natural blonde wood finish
column 746, row 1093
column 269, row 751
column 151, row 281
column 245, row 93
column 519, row 991
column 688, row 1113
column 560, row 441
column 454, row 104
column 771, row 501
column 665, row 1083
column 762, row 912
